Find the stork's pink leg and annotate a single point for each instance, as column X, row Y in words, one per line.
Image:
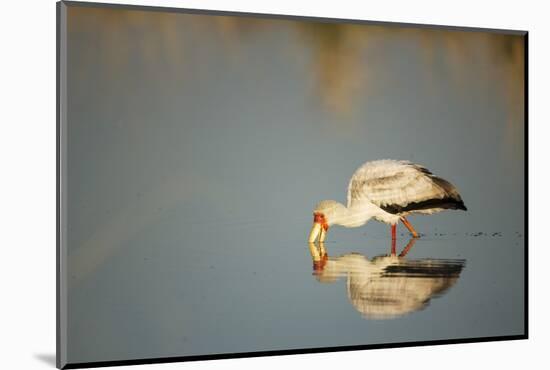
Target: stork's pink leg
column 393, row 238
column 410, row 227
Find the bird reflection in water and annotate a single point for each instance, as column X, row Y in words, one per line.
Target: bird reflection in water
column 387, row 286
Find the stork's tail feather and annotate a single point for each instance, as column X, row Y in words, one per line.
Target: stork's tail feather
column 453, row 197
column 460, row 205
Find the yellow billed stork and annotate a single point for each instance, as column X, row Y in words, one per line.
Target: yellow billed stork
column 388, row 191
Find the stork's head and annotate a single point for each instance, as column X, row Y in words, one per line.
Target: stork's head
column 324, row 215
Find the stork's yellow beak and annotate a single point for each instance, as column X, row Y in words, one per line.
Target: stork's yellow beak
column 319, row 229
column 315, row 232
column 323, row 234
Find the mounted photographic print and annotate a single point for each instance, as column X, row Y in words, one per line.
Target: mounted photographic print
column 235, row 184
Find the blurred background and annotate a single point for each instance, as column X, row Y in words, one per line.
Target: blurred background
column 198, row 146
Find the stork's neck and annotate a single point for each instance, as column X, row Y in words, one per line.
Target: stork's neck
column 353, row 216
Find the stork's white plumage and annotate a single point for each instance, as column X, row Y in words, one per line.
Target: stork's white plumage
column 388, row 191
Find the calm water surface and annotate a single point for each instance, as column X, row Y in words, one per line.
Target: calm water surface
column 198, row 147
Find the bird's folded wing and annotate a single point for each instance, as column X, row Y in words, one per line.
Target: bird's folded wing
column 398, row 185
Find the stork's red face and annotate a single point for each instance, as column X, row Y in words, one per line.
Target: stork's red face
column 320, row 218
column 319, row 229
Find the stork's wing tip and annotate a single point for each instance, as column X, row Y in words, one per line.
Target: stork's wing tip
column 461, row 206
